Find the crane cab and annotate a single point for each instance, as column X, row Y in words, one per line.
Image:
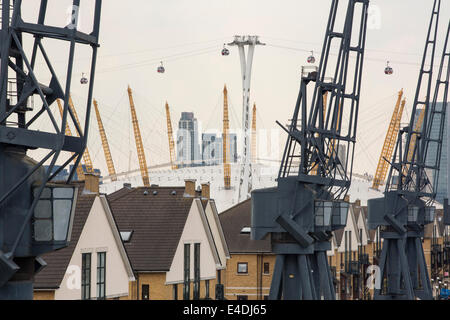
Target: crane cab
column 83, row 79
column 388, row 70
column 311, row 58
column 225, row 51
column 161, row 68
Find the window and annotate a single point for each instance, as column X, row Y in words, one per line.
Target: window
column 196, row 271
column 206, row 289
column 85, row 276
column 175, row 292
column 242, row 297
column 187, row 271
column 101, row 275
column 266, row 268
column 242, row 267
column 145, row 292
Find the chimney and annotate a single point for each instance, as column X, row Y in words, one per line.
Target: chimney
column 358, row 203
column 347, row 198
column 127, row 185
column 205, row 190
column 92, row 182
column 189, row 187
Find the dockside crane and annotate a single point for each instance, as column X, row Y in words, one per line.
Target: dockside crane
column 36, row 215
column 407, row 205
column 303, row 210
column 105, row 144
column 170, row 136
column 226, row 142
column 68, row 132
column 139, row 144
column 389, row 142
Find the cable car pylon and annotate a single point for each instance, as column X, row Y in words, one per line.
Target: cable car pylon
column 245, row 175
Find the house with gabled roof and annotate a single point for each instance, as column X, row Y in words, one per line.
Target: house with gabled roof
column 95, row 265
column 174, row 240
column 250, row 269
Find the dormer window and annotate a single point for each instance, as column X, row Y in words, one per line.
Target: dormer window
column 126, row 235
column 246, row 230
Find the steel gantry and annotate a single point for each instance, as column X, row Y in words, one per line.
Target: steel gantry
column 245, row 175
column 302, row 211
column 407, row 205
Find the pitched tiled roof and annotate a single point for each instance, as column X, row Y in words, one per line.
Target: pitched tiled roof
column 57, row 261
column 157, row 221
column 233, row 220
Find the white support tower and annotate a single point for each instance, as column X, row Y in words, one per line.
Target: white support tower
column 245, row 176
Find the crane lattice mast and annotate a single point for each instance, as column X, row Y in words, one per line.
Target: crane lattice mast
column 139, row 144
column 226, row 141
column 388, row 145
column 31, row 224
column 170, row 136
column 68, row 132
column 105, row 144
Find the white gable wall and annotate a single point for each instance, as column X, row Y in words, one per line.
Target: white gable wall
column 96, row 236
column 217, row 235
column 193, row 232
column 351, row 226
column 362, row 226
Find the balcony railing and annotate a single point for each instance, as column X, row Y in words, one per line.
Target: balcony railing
column 436, row 248
column 353, row 267
column 364, row 258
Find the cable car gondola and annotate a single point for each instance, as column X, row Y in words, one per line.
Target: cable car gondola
column 388, row 70
column 161, row 68
column 311, row 58
column 83, row 79
column 225, row 51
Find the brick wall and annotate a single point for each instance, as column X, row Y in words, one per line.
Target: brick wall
column 255, row 284
column 44, row 295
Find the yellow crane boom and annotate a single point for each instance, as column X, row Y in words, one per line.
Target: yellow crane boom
column 80, row 172
column 413, row 141
column 170, row 135
column 389, row 142
column 254, row 134
column 225, row 141
column 105, row 144
column 139, row 144
column 86, row 156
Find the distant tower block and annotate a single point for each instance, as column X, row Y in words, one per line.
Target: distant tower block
column 245, row 176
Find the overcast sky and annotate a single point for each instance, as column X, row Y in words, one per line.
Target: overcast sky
column 188, row 35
